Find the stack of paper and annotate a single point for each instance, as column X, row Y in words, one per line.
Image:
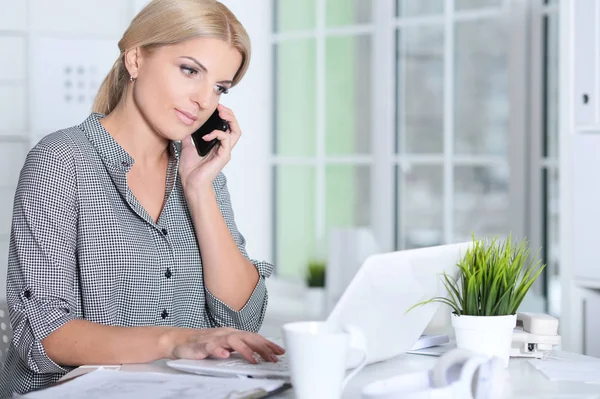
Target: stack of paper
column 104, row 384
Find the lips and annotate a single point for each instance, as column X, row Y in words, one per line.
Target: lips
column 185, row 117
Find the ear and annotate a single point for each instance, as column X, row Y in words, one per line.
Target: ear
column 132, row 62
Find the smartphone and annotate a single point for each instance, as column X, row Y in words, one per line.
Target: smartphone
column 213, row 123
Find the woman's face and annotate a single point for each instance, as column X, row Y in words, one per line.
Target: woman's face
column 178, row 86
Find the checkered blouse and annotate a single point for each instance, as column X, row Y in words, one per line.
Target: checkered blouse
column 82, row 246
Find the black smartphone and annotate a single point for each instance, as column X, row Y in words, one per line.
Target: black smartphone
column 213, row 123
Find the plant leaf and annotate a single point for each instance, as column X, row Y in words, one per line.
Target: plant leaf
column 493, row 278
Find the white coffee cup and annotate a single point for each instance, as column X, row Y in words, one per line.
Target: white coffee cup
column 317, row 353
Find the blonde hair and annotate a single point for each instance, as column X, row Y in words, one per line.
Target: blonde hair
column 164, row 22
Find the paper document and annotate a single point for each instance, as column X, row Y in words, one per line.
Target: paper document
column 559, row 369
column 430, row 340
column 435, row 351
column 102, row 384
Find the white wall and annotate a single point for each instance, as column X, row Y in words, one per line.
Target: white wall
column 249, row 172
column 13, row 113
column 53, row 55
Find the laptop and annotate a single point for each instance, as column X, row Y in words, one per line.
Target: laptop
column 376, row 301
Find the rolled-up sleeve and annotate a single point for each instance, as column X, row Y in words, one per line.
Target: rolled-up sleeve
column 42, row 261
column 251, row 316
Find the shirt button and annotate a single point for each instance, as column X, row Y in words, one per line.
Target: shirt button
column 27, row 294
column 164, row 231
column 168, row 273
column 125, row 163
column 164, row 314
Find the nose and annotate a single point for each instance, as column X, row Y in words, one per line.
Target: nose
column 204, row 96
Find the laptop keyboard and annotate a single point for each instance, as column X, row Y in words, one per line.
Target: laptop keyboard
column 281, row 365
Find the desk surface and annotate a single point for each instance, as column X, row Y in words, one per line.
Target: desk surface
column 523, row 380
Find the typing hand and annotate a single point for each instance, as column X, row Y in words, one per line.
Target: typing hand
column 220, row 342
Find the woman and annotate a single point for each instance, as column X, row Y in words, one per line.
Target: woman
column 123, row 246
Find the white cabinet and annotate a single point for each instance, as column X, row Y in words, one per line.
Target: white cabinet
column 586, row 209
column 103, row 18
column 67, row 74
column 585, row 66
column 591, row 309
column 12, row 157
column 12, row 110
column 13, row 15
column 13, row 64
column 579, row 163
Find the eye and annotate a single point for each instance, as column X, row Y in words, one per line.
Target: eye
column 222, row 89
column 189, row 71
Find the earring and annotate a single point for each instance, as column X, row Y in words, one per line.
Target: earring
column 131, row 78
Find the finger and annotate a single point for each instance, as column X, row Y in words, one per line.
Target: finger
column 217, row 134
column 264, row 350
column 223, row 137
column 261, row 346
column 224, row 108
column 278, row 350
column 215, row 349
column 234, row 127
column 241, row 347
column 228, row 115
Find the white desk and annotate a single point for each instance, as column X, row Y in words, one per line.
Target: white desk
column 523, row 380
column 286, row 304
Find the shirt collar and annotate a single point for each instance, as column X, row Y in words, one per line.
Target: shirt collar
column 110, row 151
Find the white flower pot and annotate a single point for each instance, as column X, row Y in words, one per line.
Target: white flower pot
column 314, row 302
column 487, row 335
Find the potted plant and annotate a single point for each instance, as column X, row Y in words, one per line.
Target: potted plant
column 492, row 281
column 315, row 281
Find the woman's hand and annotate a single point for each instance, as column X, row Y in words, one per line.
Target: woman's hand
column 220, row 342
column 195, row 170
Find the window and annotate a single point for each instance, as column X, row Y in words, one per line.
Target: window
column 452, row 165
column 406, row 116
column 322, row 156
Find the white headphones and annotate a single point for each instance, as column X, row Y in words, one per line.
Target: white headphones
column 458, row 374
